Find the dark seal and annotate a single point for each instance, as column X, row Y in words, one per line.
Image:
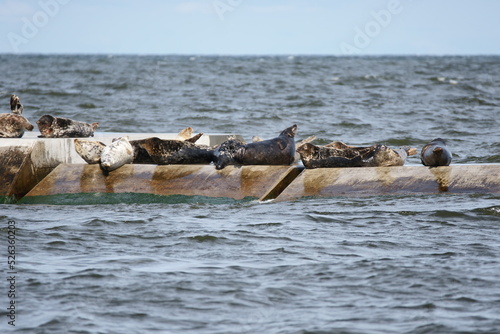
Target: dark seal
column 276, row 151
column 60, row 127
column 225, row 154
column 338, row 154
column 171, row 152
column 435, row 153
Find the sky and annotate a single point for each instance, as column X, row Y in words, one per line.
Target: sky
column 251, row 27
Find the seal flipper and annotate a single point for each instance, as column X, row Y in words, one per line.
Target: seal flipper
column 194, row 139
column 282, row 144
column 15, row 105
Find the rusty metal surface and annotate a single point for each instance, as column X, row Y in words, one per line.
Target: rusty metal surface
column 327, row 182
column 201, row 180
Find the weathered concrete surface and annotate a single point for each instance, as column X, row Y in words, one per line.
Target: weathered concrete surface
column 190, row 180
column 327, row 182
column 15, row 164
column 26, row 161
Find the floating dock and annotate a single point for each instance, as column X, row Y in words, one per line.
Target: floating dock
column 34, row 167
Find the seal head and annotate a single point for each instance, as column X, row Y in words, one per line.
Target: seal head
column 436, row 153
column 89, row 150
column 225, row 153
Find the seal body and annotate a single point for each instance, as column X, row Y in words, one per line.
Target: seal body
column 90, row 151
column 141, row 155
column 435, row 153
column 225, row 153
column 13, row 125
column 386, row 157
column 275, row 151
column 338, row 155
column 60, row 127
column 117, row 154
column 313, row 156
column 169, row 151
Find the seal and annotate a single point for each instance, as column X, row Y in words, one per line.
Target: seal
column 338, row 154
column 435, row 153
column 117, row 154
column 15, row 105
column 171, row 151
column 14, row 124
column 89, row 150
column 275, row 151
column 141, row 155
column 225, row 153
column 59, row 127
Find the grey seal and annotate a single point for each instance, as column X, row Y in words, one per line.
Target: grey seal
column 435, row 153
column 276, row 151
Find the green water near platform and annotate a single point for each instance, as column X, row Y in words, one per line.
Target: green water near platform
column 125, row 198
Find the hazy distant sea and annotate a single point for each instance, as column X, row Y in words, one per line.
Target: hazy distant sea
column 382, row 264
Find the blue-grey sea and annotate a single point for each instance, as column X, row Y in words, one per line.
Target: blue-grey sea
column 381, row 264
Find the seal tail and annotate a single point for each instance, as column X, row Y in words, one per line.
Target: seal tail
column 410, row 150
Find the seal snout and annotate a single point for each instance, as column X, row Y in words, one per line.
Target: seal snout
column 290, row 131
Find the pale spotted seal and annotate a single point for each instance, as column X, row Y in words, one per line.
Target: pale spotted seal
column 89, row 150
column 435, row 153
column 117, row 154
column 14, row 124
column 60, row 127
column 276, row 151
column 338, row 154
